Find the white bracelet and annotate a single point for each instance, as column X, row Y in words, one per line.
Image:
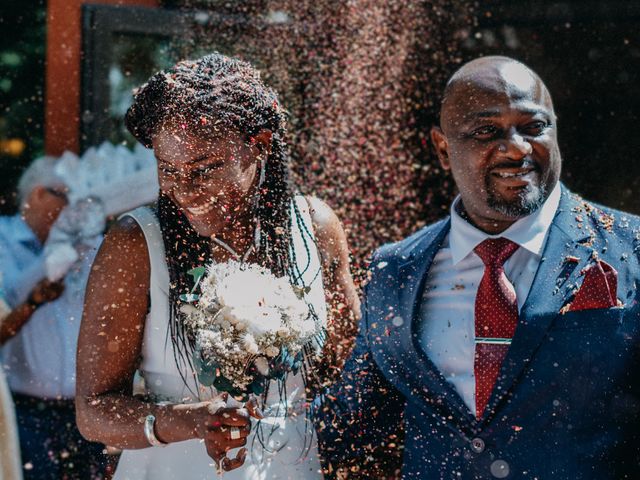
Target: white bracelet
column 150, row 433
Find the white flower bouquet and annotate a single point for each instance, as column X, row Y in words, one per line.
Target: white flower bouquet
column 249, row 326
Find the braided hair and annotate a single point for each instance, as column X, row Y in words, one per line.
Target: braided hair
column 230, row 93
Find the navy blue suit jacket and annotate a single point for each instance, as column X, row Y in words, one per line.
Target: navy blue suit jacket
column 567, row 401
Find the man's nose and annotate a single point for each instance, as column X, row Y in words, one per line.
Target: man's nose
column 515, row 146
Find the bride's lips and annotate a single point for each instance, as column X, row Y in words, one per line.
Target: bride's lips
column 200, row 209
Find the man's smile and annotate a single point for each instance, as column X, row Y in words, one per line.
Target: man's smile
column 515, row 176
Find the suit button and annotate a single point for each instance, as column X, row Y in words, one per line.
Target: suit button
column 477, row 445
column 499, row 469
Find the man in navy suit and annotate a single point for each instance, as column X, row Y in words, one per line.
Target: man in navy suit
column 504, row 340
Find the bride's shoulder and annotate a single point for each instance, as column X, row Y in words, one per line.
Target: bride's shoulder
column 136, row 225
column 124, row 237
column 322, row 215
column 126, row 228
column 327, row 227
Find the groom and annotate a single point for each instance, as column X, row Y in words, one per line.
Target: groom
column 504, row 340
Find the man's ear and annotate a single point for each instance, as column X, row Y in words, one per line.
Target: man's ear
column 262, row 140
column 440, row 143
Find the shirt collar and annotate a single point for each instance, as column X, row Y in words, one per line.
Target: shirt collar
column 21, row 232
column 528, row 232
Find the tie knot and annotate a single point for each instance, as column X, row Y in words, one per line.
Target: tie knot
column 496, row 251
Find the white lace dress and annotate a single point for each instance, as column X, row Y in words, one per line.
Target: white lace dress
column 291, row 450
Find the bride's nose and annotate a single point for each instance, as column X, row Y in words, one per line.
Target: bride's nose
column 185, row 192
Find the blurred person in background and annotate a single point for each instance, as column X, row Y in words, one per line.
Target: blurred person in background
column 38, row 338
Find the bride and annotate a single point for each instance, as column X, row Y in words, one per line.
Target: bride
column 217, row 133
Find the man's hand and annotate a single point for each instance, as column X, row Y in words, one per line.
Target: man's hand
column 45, row 291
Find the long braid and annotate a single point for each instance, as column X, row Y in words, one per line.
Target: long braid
column 218, row 90
column 184, row 250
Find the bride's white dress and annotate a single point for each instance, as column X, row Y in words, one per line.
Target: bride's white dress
column 291, row 449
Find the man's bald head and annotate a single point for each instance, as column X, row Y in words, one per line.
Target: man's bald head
column 492, row 74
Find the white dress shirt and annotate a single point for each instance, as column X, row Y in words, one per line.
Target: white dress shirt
column 41, row 359
column 447, row 310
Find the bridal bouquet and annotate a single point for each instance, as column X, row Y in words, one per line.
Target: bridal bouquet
column 249, row 326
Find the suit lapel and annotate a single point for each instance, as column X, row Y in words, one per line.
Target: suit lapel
column 435, row 389
column 565, row 255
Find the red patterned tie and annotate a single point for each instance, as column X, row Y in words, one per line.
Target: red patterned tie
column 496, row 315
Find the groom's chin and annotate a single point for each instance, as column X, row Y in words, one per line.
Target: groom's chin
column 521, row 204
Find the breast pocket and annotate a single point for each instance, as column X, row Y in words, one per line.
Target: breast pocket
column 596, row 318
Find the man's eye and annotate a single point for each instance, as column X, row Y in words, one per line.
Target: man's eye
column 485, row 132
column 535, row 128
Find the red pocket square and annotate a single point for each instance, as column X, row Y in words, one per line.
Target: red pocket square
column 599, row 288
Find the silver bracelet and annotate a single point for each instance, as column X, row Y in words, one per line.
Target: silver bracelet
column 150, row 433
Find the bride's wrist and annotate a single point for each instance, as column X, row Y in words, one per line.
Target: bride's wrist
column 161, row 427
column 173, row 425
column 195, row 422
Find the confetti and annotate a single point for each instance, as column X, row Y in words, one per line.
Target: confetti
column 362, row 88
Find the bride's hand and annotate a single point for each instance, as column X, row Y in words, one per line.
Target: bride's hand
column 235, row 425
column 229, row 431
column 223, row 428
